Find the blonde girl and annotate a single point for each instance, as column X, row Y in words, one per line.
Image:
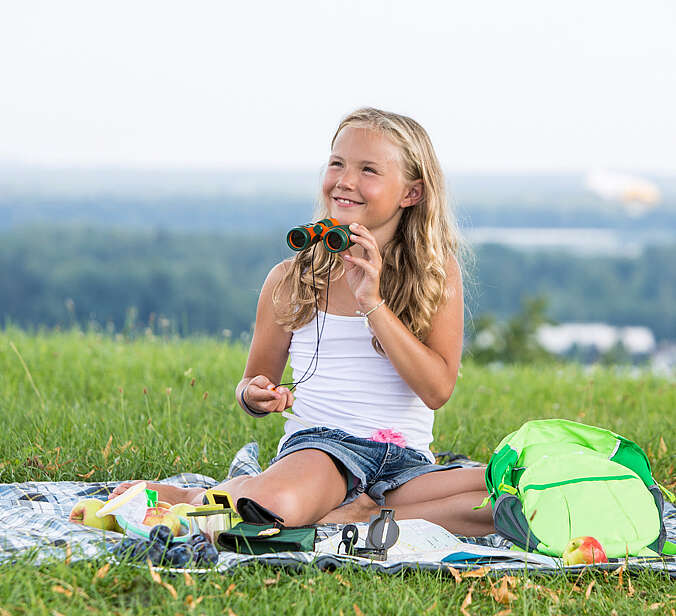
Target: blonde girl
column 373, row 392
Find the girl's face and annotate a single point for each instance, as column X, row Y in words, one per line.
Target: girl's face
column 364, row 182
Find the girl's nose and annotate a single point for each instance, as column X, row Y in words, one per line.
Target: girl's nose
column 346, row 180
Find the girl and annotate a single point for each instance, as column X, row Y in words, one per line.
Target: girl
column 373, row 390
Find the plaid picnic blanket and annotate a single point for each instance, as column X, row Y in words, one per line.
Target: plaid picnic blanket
column 34, row 525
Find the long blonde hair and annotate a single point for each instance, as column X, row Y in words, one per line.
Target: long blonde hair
column 413, row 276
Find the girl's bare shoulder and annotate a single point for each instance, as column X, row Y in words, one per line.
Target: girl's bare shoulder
column 277, row 274
column 453, row 283
column 274, row 291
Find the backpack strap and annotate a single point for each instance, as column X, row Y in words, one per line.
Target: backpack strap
column 669, row 495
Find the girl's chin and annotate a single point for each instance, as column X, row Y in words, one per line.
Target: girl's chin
column 351, row 214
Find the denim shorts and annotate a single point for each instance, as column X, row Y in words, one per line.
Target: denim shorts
column 368, row 466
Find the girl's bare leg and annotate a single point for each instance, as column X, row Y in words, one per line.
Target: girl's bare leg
column 301, row 488
column 443, row 497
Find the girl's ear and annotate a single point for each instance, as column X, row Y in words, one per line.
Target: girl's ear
column 414, row 195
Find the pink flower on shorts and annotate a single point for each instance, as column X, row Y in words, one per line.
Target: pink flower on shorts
column 389, row 436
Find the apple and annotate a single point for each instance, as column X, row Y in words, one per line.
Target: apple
column 160, row 515
column 84, row 513
column 584, row 551
column 182, row 509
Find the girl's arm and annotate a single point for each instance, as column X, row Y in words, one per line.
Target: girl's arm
column 429, row 369
column 267, row 358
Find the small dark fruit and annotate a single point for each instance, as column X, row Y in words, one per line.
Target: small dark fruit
column 161, row 535
column 180, row 555
column 156, row 553
column 205, row 554
column 125, row 548
column 140, row 551
column 199, row 538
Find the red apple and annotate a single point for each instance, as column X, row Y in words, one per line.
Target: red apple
column 160, row 515
column 584, row 551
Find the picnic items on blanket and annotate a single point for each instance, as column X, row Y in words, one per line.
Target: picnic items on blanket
column 382, row 534
column 131, row 504
column 137, row 514
column 554, row 480
column 252, row 512
column 84, row 512
column 34, row 524
column 216, row 515
column 420, row 541
column 161, row 548
column 247, row 538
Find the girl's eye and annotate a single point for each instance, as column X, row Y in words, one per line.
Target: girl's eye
column 369, row 170
column 335, row 163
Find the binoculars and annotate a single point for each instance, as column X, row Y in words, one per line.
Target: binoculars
column 336, row 237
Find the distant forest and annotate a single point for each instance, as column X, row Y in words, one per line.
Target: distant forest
column 249, row 213
column 207, row 282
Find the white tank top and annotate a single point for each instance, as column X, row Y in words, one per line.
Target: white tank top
column 353, row 388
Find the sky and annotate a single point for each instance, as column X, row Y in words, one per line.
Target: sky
column 518, row 86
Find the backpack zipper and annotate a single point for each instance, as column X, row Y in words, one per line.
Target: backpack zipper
column 544, row 486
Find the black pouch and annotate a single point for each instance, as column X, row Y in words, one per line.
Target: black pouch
column 246, row 538
column 252, row 512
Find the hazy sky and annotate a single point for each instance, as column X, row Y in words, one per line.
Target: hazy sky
column 499, row 85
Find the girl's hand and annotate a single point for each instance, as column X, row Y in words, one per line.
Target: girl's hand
column 260, row 395
column 363, row 273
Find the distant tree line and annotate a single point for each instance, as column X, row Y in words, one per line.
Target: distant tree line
column 620, row 291
column 209, row 282
column 232, row 213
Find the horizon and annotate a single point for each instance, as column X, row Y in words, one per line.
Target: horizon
column 166, row 182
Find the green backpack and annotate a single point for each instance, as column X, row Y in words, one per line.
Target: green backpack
column 553, row 480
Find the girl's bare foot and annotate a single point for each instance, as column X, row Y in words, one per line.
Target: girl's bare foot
column 167, row 493
column 359, row 510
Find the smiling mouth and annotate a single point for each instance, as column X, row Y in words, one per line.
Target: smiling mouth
column 347, row 202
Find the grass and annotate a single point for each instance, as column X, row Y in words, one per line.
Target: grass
column 104, row 408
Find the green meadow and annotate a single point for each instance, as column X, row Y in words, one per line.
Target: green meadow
column 77, row 405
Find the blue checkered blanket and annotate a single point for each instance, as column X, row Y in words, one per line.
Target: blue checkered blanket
column 34, row 525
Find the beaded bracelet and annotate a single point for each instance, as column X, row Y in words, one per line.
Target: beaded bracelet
column 366, row 314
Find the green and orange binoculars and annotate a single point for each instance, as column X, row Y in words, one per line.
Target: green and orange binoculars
column 336, row 237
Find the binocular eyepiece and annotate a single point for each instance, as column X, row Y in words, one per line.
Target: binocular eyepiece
column 336, row 237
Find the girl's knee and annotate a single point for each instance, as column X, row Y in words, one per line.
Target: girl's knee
column 283, row 500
